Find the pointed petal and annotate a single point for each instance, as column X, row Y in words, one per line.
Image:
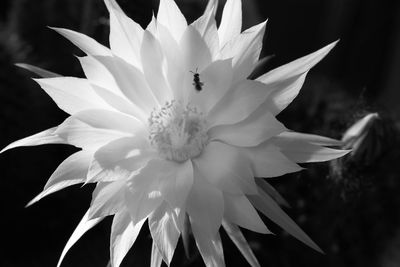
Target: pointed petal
column 205, row 207
column 268, row 161
column 84, row 225
column 245, row 50
column 238, row 103
column 83, row 42
column 310, row 138
column 257, row 128
column 156, row 257
column 300, row 151
column 296, row 67
column 42, row 138
column 107, row 199
column 71, row 171
column 80, row 134
column 210, row 246
column 153, row 61
column 231, row 21
column 171, row 17
column 125, row 34
column 224, row 167
column 238, row 210
column 294, row 73
column 123, row 235
column 238, row 239
column 38, row 71
column 72, row 94
column 111, row 120
column 270, row 190
column 216, row 79
column 207, row 27
column 265, row 204
column 164, row 231
column 131, row 82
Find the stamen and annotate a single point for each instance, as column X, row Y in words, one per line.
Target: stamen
column 178, row 131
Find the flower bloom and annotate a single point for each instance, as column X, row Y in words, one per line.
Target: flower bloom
column 173, row 133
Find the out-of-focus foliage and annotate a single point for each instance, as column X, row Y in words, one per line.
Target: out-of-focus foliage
column 352, row 210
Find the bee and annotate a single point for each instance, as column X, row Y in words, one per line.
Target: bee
column 198, row 85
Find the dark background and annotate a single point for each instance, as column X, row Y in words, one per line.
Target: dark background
column 353, row 213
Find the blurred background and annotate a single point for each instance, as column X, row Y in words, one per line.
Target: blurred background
column 351, row 207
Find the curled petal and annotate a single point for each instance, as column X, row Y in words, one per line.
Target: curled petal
column 84, row 42
column 42, row 138
column 84, row 225
column 71, row 171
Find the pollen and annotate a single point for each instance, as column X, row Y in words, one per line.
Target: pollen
column 178, row 131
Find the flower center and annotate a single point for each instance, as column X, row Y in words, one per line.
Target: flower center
column 178, row 132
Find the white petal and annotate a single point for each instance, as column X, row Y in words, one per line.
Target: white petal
column 295, row 72
column 123, row 235
column 119, row 159
column 252, row 131
column 245, row 50
column 71, row 171
column 143, row 195
column 83, row 42
column 174, row 61
column 310, row 138
column 72, row 94
column 268, row 161
column 171, row 17
column 207, row 27
column 111, row 120
column 42, row 138
column 80, row 134
column 300, row 151
column 84, row 225
column 296, row 67
column 238, row 239
column 238, row 210
column 238, row 103
column 107, row 199
column 38, row 71
column 194, row 50
column 121, row 104
column 231, row 21
column 224, row 167
column 176, row 185
column 164, row 231
column 153, row 62
column 205, row 207
column 216, row 79
column 98, row 74
column 156, row 257
column 270, row 190
column 264, row 203
column 131, row 82
column 125, row 34
column 210, row 247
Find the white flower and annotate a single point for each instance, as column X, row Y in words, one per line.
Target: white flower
column 170, row 128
